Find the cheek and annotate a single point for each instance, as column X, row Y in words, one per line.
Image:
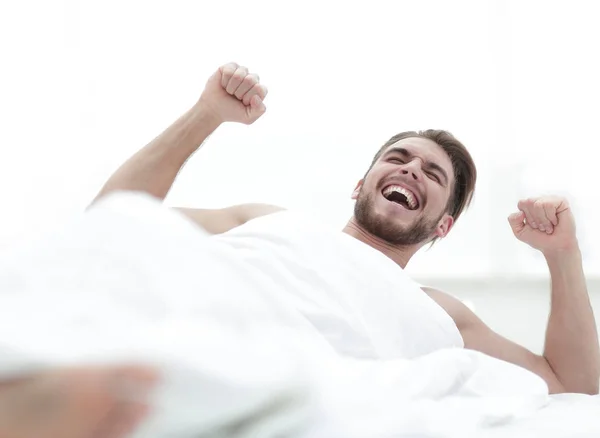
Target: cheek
column 369, row 186
column 437, row 201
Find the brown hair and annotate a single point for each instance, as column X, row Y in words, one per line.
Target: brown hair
column 465, row 172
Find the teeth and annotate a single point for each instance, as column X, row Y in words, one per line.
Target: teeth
column 412, row 202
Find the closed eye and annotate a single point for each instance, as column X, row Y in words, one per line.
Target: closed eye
column 431, row 175
column 434, row 177
column 434, row 171
column 396, row 160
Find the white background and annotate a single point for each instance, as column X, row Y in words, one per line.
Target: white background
column 85, row 84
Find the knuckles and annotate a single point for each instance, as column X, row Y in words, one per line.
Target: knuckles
column 233, row 74
column 542, row 202
column 251, row 79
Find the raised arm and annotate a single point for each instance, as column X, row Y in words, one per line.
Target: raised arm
column 231, row 94
column 571, row 359
column 572, row 350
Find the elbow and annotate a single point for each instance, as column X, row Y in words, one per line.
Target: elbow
column 591, row 388
column 580, row 381
column 594, row 389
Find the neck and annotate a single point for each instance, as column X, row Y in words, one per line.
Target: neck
column 401, row 255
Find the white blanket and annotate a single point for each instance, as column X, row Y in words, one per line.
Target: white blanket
column 131, row 281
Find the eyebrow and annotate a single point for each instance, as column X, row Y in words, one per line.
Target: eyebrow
column 428, row 164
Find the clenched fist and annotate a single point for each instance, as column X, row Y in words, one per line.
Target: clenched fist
column 545, row 223
column 233, row 94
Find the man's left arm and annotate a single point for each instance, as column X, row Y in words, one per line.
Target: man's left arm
column 571, row 359
column 572, row 351
column 571, row 337
column 480, row 337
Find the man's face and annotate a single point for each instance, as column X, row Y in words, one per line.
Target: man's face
column 403, row 198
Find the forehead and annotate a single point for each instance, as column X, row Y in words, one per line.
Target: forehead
column 425, row 149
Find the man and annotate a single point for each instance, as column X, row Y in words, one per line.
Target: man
column 416, row 188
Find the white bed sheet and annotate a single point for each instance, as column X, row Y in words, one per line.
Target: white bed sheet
column 119, row 286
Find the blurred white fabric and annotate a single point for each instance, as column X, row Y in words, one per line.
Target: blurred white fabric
column 131, row 281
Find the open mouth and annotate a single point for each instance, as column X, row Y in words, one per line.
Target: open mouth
column 401, row 196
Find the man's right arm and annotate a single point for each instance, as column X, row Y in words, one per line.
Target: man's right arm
column 153, row 169
column 230, row 95
column 224, row 219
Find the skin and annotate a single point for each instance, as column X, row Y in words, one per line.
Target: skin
column 84, row 402
column 402, row 164
column 571, row 359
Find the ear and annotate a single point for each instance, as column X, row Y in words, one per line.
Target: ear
column 444, row 225
column 356, row 191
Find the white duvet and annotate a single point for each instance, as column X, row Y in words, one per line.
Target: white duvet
column 129, row 281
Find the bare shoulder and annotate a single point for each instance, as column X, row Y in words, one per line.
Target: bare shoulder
column 461, row 314
column 247, row 212
column 478, row 336
column 221, row 220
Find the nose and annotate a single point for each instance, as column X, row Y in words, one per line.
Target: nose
column 412, row 168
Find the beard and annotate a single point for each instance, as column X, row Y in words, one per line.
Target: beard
column 395, row 234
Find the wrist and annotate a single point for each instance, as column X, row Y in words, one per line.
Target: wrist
column 205, row 115
column 561, row 256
